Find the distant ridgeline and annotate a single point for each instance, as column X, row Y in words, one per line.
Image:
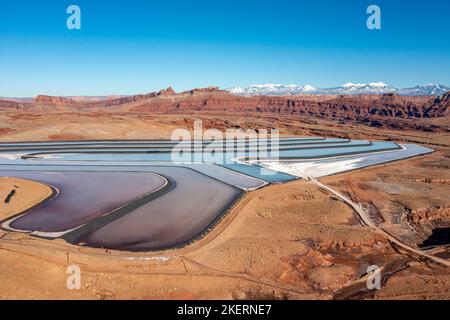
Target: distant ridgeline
column 389, row 109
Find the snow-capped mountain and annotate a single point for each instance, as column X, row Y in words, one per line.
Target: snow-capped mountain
column 359, row 88
column 430, row 89
column 272, row 89
column 292, row 89
column 346, row 89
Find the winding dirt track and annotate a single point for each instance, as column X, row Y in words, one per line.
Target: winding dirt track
column 242, row 276
column 364, row 215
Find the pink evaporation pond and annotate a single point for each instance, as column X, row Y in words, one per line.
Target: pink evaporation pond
column 83, row 196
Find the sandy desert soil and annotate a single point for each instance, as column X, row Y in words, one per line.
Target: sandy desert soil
column 290, row 241
column 17, row 195
column 51, row 126
column 408, row 199
column 404, row 196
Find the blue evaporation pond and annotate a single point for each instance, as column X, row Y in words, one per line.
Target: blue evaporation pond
column 140, row 155
column 267, row 175
column 318, row 149
column 310, row 151
column 39, row 145
column 339, row 150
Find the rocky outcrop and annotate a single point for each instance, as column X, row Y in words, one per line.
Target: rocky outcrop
column 430, row 215
column 126, row 100
column 50, row 100
column 443, row 103
column 207, row 90
column 166, row 92
column 11, row 105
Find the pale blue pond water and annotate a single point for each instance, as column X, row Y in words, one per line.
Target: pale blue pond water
column 304, row 149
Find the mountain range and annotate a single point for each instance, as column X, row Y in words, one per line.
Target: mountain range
column 346, row 89
column 282, row 90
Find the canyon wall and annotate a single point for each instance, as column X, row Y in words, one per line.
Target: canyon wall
column 388, row 110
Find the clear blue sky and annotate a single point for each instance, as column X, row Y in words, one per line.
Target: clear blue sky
column 127, row 47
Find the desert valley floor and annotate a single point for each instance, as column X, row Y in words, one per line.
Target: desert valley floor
column 304, row 238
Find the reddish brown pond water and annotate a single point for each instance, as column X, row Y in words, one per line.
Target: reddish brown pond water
column 172, row 219
column 83, row 196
